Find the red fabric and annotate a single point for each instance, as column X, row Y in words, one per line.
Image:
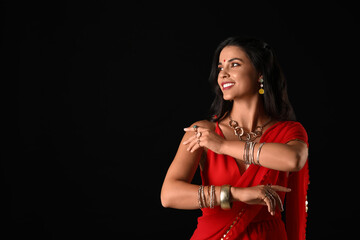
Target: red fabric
column 245, row 221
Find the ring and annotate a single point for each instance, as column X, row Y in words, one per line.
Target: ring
column 195, row 127
column 267, row 194
column 198, row 135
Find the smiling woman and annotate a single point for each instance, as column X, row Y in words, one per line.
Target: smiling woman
column 259, row 57
column 251, row 152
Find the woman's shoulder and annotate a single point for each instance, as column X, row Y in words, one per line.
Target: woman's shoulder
column 288, row 130
column 205, row 123
column 284, row 132
column 286, row 126
column 290, row 124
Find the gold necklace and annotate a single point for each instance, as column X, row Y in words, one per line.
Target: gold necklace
column 246, row 136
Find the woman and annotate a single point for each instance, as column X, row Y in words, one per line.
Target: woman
column 251, row 152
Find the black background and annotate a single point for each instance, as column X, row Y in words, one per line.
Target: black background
column 104, row 89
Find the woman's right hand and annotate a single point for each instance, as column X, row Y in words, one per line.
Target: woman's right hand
column 262, row 195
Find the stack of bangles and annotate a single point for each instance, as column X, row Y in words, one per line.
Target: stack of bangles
column 210, row 196
column 225, row 201
column 248, row 156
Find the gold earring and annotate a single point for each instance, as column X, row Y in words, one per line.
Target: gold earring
column 261, row 90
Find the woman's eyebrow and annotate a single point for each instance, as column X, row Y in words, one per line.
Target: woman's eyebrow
column 233, row 59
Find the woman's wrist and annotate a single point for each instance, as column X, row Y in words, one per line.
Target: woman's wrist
column 235, row 192
column 232, row 148
column 224, row 147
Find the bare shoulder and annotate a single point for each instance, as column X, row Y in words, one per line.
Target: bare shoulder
column 205, row 124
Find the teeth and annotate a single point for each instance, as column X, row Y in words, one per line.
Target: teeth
column 228, row 85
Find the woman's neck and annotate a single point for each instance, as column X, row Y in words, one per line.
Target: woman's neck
column 249, row 114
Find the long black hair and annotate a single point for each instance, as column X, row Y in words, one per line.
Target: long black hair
column 262, row 56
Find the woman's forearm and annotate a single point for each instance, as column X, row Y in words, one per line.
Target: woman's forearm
column 278, row 156
column 182, row 195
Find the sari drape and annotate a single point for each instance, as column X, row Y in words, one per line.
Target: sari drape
column 245, row 221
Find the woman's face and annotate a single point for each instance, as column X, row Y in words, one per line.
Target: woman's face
column 237, row 77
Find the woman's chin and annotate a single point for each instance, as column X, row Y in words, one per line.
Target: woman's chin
column 228, row 98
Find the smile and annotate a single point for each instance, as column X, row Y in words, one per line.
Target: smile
column 227, row 85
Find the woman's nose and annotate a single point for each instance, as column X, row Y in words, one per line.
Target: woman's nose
column 224, row 74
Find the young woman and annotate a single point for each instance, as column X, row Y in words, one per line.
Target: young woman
column 251, row 153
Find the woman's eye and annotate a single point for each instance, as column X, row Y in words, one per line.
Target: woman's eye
column 235, row 64
column 220, row 68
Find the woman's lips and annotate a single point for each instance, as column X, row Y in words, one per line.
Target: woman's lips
column 227, row 85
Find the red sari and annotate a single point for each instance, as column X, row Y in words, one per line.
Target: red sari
column 245, row 221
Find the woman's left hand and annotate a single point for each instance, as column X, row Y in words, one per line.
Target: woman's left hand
column 203, row 137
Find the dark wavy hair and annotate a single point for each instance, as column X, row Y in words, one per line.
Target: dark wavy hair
column 262, row 56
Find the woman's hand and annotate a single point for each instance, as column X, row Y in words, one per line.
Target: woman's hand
column 262, row 195
column 203, row 137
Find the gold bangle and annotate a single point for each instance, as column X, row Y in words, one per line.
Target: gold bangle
column 225, row 202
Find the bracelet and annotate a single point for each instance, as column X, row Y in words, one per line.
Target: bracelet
column 203, row 197
column 200, row 191
column 251, row 153
column 225, row 202
column 248, row 155
column 212, row 196
column 258, row 154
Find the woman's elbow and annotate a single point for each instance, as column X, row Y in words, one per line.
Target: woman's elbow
column 298, row 161
column 164, row 200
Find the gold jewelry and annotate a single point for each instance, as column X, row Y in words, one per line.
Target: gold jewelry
column 246, row 136
column 225, row 202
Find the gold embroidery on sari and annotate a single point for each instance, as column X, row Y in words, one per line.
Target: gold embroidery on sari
column 226, row 236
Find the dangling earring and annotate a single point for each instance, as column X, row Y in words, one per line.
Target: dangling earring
column 261, row 90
